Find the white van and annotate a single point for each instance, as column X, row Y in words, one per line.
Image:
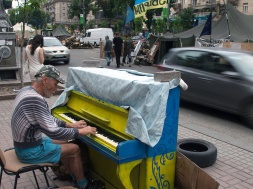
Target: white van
column 94, row 36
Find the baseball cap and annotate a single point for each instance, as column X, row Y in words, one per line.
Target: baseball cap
column 50, row 71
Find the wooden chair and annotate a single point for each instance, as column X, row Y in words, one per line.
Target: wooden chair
column 11, row 165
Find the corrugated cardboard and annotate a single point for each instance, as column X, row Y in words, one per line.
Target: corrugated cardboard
column 190, row 176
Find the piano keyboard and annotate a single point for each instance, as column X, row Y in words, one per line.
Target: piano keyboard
column 101, row 134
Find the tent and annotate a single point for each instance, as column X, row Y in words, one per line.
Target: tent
column 236, row 26
column 29, row 31
column 60, row 32
column 232, row 25
column 19, row 27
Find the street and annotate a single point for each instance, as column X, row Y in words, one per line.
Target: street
column 223, row 126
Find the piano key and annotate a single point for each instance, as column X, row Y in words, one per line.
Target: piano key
column 102, row 134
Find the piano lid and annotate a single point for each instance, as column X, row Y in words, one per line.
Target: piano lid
column 146, row 98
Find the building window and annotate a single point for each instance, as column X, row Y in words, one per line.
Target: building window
column 194, row 2
column 245, row 7
column 63, row 8
column 63, row 14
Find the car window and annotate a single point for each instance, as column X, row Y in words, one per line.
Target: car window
column 192, row 59
column 217, row 64
column 243, row 62
column 50, row 42
column 88, row 34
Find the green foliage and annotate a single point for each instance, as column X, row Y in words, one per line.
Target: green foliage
column 106, row 6
column 160, row 25
column 138, row 24
column 119, row 25
column 184, row 21
column 120, row 6
column 90, row 24
column 103, row 24
column 149, row 16
column 72, row 28
column 76, row 8
column 187, row 18
column 176, row 25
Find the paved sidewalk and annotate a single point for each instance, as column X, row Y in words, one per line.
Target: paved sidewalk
column 233, row 168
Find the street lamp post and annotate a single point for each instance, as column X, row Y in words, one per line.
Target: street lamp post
column 84, row 18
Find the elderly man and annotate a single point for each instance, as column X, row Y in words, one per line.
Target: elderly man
column 31, row 117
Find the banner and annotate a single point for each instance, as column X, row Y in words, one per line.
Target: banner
column 200, row 42
column 81, row 19
column 141, row 6
column 129, row 15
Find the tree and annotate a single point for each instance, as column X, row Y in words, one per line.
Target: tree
column 119, row 25
column 184, row 21
column 76, row 8
column 90, row 24
column 187, row 18
column 138, row 24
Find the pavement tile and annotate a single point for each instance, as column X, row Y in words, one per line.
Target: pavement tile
column 233, row 168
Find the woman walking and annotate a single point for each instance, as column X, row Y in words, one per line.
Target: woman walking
column 34, row 55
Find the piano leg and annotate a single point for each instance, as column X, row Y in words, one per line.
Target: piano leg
column 124, row 170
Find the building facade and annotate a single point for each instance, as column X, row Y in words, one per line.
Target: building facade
column 58, row 11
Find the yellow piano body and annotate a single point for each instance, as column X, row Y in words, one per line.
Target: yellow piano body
column 125, row 163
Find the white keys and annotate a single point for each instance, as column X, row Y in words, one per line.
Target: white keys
column 115, row 144
column 101, row 136
column 67, row 118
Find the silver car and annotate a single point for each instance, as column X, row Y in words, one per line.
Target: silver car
column 55, row 51
column 216, row 77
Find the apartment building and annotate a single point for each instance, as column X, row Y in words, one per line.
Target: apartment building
column 244, row 6
column 58, row 11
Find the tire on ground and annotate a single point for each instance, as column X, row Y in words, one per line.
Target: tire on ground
column 201, row 152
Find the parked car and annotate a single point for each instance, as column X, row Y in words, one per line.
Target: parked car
column 216, row 77
column 55, row 51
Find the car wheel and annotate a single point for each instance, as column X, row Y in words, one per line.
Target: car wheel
column 66, row 61
column 201, row 152
column 95, row 44
column 248, row 114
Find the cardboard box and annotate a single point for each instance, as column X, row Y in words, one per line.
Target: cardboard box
column 190, row 176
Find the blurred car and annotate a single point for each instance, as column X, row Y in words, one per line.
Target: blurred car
column 55, row 51
column 216, row 77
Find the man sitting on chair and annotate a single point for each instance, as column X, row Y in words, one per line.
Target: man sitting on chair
column 31, row 117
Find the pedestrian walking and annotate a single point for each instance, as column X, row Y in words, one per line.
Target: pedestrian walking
column 117, row 41
column 127, row 51
column 108, row 50
column 34, row 55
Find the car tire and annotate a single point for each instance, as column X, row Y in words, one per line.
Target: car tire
column 201, row 152
column 66, row 61
column 248, row 114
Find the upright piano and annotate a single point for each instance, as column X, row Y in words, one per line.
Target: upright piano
column 118, row 159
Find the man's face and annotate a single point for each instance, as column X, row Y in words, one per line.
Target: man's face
column 50, row 86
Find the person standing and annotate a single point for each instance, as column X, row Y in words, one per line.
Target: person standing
column 34, row 55
column 108, row 50
column 31, row 118
column 127, row 51
column 117, row 41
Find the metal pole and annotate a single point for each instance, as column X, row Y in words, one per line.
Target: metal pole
column 168, row 18
column 84, row 18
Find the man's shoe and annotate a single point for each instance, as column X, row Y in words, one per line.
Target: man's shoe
column 122, row 64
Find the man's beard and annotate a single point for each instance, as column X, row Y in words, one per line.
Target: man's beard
column 47, row 94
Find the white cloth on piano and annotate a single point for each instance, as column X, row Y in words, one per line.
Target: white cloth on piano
column 146, row 98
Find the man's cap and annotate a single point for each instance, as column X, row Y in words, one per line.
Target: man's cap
column 50, row 71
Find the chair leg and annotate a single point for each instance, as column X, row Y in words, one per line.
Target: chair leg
column 1, row 173
column 15, row 182
column 36, row 179
column 44, row 170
